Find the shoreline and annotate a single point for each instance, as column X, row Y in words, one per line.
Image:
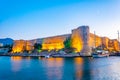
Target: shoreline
column 53, row 55
column 43, row 55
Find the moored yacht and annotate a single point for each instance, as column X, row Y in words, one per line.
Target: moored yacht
column 100, row 53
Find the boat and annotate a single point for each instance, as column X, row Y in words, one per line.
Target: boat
column 100, row 53
column 47, row 56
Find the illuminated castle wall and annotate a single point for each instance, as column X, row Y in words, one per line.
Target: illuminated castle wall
column 18, row 46
column 109, row 44
column 53, row 43
column 81, row 39
column 113, row 45
column 22, row 45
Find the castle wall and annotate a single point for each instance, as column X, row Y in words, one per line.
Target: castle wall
column 80, row 40
column 105, row 41
column 22, row 45
column 113, row 45
column 53, row 43
column 95, row 41
column 19, row 46
column 76, row 39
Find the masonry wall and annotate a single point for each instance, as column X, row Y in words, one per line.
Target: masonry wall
column 22, row 45
column 53, row 43
column 80, row 40
column 95, row 41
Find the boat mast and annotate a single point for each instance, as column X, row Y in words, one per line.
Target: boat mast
column 118, row 41
column 94, row 39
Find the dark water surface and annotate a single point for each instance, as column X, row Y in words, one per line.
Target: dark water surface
column 37, row 68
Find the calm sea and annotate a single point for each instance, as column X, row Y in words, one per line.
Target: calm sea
column 37, row 68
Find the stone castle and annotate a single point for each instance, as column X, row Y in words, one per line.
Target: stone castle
column 81, row 39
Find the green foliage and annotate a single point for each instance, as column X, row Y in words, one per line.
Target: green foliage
column 67, row 46
column 39, row 50
column 37, row 46
column 67, row 43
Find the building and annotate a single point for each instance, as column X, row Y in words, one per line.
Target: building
column 22, row 45
column 4, row 50
column 81, row 39
column 1, row 44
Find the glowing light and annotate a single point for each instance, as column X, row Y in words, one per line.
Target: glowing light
column 54, row 62
column 16, row 58
column 29, row 46
column 78, row 61
column 21, row 45
column 54, row 43
column 77, row 42
column 16, row 66
column 79, row 71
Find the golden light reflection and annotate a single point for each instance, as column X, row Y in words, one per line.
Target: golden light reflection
column 52, row 62
column 56, row 64
column 16, row 63
column 28, row 58
column 78, row 61
column 16, row 58
column 77, row 42
column 78, row 67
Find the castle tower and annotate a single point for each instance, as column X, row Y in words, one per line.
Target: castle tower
column 80, row 40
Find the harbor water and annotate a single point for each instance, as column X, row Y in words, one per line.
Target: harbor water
column 78, row 68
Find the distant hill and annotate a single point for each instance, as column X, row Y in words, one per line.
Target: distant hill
column 6, row 41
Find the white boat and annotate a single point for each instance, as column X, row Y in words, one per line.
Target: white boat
column 47, row 56
column 100, row 53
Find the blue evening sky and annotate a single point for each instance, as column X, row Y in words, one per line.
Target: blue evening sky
column 30, row 19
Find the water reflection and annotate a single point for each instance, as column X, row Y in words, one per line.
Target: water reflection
column 82, row 67
column 16, row 58
column 16, row 63
column 61, row 68
column 78, row 68
column 54, row 62
column 54, row 68
column 28, row 58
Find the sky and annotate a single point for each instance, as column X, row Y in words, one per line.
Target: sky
column 31, row 19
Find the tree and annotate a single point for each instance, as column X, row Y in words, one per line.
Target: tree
column 67, row 43
column 67, row 46
column 38, row 47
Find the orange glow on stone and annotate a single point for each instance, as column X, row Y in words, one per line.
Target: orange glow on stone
column 53, row 43
column 18, row 46
column 77, row 42
column 29, row 46
column 21, row 45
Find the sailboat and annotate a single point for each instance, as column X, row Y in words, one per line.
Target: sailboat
column 99, row 53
